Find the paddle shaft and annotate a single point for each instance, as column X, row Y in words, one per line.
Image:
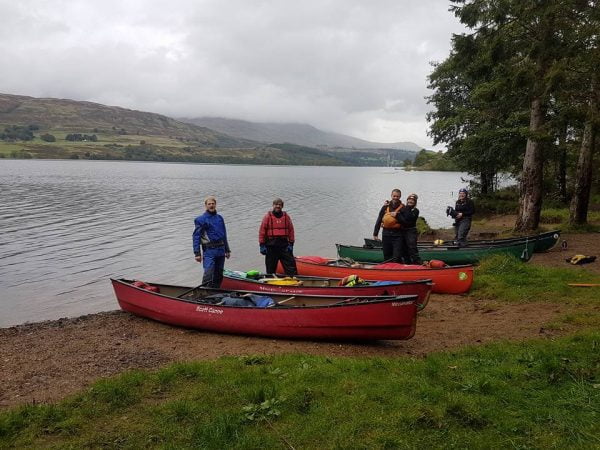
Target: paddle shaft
column 192, row 289
column 282, row 301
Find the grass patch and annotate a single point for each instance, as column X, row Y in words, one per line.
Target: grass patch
column 559, row 217
column 507, row 279
column 537, row 394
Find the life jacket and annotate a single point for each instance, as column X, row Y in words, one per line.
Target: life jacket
column 581, row 259
column 278, row 226
column 390, row 222
column 351, row 280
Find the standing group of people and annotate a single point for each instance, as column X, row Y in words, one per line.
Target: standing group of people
column 275, row 240
column 399, row 223
column 276, row 234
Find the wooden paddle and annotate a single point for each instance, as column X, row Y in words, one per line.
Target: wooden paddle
column 282, row 301
column 584, row 284
column 192, row 289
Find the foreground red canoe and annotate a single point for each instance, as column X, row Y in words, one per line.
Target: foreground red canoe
column 350, row 319
column 329, row 286
column 446, row 280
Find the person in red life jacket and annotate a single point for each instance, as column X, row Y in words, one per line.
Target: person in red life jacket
column 276, row 239
column 391, row 236
column 407, row 216
column 210, row 238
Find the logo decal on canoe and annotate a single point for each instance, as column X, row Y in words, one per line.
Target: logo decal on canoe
column 209, row 310
column 462, row 276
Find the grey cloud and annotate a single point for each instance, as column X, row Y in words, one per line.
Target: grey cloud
column 348, row 66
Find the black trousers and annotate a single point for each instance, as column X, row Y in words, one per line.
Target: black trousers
column 462, row 228
column 410, row 248
column 276, row 254
column 392, row 243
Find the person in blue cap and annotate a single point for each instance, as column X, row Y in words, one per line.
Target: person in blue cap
column 462, row 214
column 210, row 238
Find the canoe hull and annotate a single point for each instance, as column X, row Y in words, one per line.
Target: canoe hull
column 447, row 280
column 372, row 320
column 450, row 255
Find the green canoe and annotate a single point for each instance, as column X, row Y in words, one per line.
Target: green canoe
column 450, row 255
column 543, row 242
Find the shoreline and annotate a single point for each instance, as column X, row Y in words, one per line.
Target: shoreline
column 48, row 360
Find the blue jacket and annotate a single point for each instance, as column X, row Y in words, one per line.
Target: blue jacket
column 210, row 234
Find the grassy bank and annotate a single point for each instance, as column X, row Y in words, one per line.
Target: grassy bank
column 540, row 394
column 535, row 394
column 507, row 279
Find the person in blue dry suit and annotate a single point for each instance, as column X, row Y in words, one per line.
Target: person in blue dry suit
column 210, row 243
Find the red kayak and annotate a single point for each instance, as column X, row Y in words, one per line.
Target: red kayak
column 446, row 280
column 329, row 319
column 327, row 286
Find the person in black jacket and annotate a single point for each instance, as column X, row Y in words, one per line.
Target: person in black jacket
column 407, row 216
column 462, row 214
column 390, row 236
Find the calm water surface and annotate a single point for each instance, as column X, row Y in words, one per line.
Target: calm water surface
column 66, row 227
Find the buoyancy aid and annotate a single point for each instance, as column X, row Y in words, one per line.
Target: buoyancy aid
column 278, row 226
column 390, row 222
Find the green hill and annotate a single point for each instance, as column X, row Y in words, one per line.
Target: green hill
column 47, row 128
column 69, row 116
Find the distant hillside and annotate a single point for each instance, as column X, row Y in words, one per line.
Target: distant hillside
column 46, row 128
column 294, row 133
column 79, row 117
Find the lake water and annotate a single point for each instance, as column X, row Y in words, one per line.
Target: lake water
column 66, row 227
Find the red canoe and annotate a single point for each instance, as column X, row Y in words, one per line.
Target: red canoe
column 350, row 319
column 446, row 280
column 329, row 286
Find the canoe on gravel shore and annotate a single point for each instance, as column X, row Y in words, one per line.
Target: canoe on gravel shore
column 543, row 241
column 446, row 280
column 325, row 319
column 326, row 286
column 450, row 255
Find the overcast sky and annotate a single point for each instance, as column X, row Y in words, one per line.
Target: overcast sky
column 357, row 67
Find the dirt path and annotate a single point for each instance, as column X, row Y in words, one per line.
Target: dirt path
column 48, row 360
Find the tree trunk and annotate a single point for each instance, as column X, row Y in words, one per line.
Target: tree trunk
column 531, row 184
column 583, row 178
column 487, row 182
column 561, row 171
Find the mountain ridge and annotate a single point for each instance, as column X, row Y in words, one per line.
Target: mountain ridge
column 294, row 133
column 76, row 115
